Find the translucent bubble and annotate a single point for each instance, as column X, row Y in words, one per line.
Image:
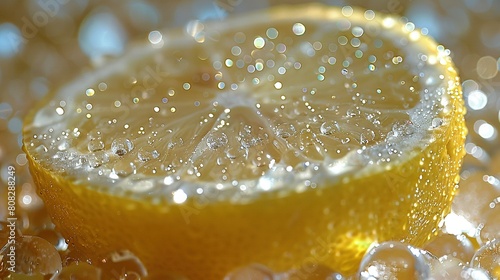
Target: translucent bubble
column 329, row 127
column 79, row 271
column 488, row 258
column 437, row 122
column 97, row 159
column 4, row 232
column 216, row 139
column 473, row 198
column 447, row 267
column 457, row 246
column 394, row 260
column 254, row 271
column 121, row 146
column 122, row 169
column 147, row 153
column 34, row 255
column 491, row 225
column 313, row 271
column 452, row 268
column 469, row 273
column 285, row 130
column 41, row 149
column 123, row 265
column 95, row 145
column 54, row 237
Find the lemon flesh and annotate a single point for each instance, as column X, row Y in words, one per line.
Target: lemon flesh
column 286, row 137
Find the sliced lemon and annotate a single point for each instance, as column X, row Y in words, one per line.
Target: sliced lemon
column 287, row 137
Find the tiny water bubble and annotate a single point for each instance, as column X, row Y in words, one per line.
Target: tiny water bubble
column 97, row 159
column 79, row 271
column 436, row 122
column 95, row 145
column 329, row 127
column 285, row 130
column 122, row 168
column 41, row 149
column 34, row 255
column 488, row 258
column 54, row 237
column 457, row 246
column 216, row 139
column 394, row 260
column 235, row 152
column 123, row 264
column 121, row 146
column 254, row 271
column 63, row 145
column 147, row 153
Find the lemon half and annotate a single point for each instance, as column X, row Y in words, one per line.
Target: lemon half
column 290, row 137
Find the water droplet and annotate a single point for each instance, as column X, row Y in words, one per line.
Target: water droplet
column 41, row 149
column 216, row 139
column 436, row 122
column 97, row 159
column 234, row 152
column 122, row 168
column 121, row 264
column 457, row 246
column 329, row 127
column 147, row 153
column 394, row 260
column 34, row 255
column 79, row 271
column 254, row 271
column 54, row 237
column 95, row 145
column 448, row 267
column 121, row 146
column 285, row 130
column 488, row 258
column 64, row 145
column 313, row 271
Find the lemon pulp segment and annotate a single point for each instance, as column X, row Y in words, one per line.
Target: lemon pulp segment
column 293, row 135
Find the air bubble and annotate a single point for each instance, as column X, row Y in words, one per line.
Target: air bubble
column 121, row 146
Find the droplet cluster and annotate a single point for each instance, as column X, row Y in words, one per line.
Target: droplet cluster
column 467, row 29
column 229, row 106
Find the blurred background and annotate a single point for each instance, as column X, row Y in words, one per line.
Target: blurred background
column 46, row 43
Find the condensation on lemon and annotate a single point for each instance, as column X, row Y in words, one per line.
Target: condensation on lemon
column 287, row 136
